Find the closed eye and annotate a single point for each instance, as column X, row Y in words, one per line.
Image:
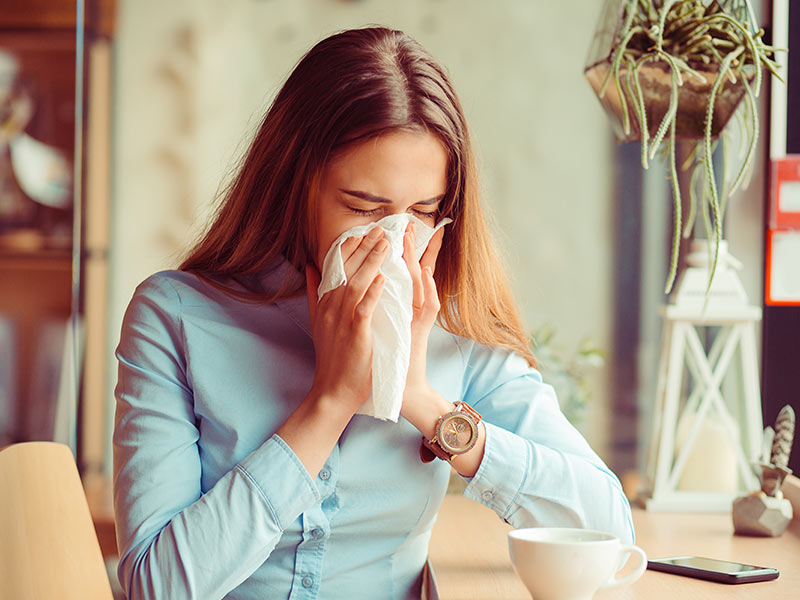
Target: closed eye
column 424, row 214
column 362, row 212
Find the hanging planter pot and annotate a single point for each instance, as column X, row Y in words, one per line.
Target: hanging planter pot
column 655, row 80
column 678, row 69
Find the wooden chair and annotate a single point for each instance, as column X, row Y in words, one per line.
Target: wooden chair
column 48, row 545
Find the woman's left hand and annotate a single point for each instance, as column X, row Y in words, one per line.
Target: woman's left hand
column 426, row 309
column 422, row 405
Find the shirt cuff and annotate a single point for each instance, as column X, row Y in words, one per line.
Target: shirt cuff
column 282, row 480
column 501, row 475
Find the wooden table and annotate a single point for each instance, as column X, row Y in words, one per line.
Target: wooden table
column 469, row 555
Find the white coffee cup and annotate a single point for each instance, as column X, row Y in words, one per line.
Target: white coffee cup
column 559, row 563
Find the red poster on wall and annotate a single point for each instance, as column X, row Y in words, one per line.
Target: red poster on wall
column 782, row 285
column 785, row 193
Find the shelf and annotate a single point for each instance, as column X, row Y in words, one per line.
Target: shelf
column 57, row 15
column 39, row 260
column 36, row 285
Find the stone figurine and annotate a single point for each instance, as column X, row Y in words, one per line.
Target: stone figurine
column 766, row 512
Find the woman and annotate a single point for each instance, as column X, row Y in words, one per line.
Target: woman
column 241, row 468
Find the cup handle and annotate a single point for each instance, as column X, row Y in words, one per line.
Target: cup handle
column 630, row 577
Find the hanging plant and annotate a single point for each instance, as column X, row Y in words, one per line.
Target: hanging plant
column 679, row 69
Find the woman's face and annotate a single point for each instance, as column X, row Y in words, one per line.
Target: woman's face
column 397, row 172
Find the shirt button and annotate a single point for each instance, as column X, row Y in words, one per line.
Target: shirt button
column 307, row 582
column 487, row 496
column 325, row 474
column 317, row 533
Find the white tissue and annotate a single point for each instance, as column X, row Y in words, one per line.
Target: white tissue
column 391, row 321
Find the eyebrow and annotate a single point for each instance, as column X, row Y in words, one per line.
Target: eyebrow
column 380, row 199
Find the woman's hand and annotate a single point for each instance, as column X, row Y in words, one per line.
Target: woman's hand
column 341, row 323
column 341, row 329
column 421, row 405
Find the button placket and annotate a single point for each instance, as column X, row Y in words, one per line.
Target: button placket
column 316, row 526
column 327, row 476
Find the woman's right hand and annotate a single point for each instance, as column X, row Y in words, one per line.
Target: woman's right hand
column 341, row 323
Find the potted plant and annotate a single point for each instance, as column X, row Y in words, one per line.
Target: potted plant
column 666, row 70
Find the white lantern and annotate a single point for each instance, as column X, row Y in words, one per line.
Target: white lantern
column 695, row 426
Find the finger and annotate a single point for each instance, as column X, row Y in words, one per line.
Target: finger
column 349, row 246
column 410, row 258
column 361, row 280
column 432, row 305
column 365, row 309
column 360, row 253
column 312, row 285
column 432, row 251
column 411, row 231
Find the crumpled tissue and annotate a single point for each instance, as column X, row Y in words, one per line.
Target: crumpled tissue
column 391, row 321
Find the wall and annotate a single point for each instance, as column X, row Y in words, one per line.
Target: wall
column 193, row 78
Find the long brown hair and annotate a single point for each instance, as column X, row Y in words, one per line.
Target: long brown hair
column 352, row 86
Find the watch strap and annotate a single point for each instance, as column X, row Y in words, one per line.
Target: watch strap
column 429, row 451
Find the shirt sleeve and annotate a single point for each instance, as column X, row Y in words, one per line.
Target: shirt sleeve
column 174, row 540
column 537, row 469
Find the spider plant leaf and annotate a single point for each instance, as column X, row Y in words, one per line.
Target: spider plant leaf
column 684, row 66
column 649, row 10
column 676, row 195
column 631, row 89
column 616, row 59
column 691, row 156
column 725, row 142
column 630, row 12
column 682, row 25
column 774, row 68
column 665, row 8
column 625, row 35
column 705, row 203
column 642, row 108
column 709, row 162
column 754, row 131
column 755, row 55
column 672, row 110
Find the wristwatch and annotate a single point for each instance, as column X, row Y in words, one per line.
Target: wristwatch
column 456, row 433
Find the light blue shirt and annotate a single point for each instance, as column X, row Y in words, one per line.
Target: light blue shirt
column 211, row 503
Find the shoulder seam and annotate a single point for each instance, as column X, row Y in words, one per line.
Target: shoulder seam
column 181, row 328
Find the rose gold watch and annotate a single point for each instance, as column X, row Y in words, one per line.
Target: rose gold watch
column 456, row 433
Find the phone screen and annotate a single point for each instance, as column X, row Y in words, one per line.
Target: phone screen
column 710, row 564
column 712, row 569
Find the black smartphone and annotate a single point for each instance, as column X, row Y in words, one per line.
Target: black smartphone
column 721, row 571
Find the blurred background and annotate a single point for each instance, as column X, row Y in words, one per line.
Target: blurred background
column 105, row 182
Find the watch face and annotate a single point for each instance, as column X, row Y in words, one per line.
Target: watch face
column 457, row 434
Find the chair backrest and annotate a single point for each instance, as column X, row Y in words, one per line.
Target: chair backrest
column 48, row 545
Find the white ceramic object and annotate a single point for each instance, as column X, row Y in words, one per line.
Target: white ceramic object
column 43, row 172
column 559, row 563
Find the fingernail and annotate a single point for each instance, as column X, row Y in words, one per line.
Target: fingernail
column 375, row 233
column 382, row 246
